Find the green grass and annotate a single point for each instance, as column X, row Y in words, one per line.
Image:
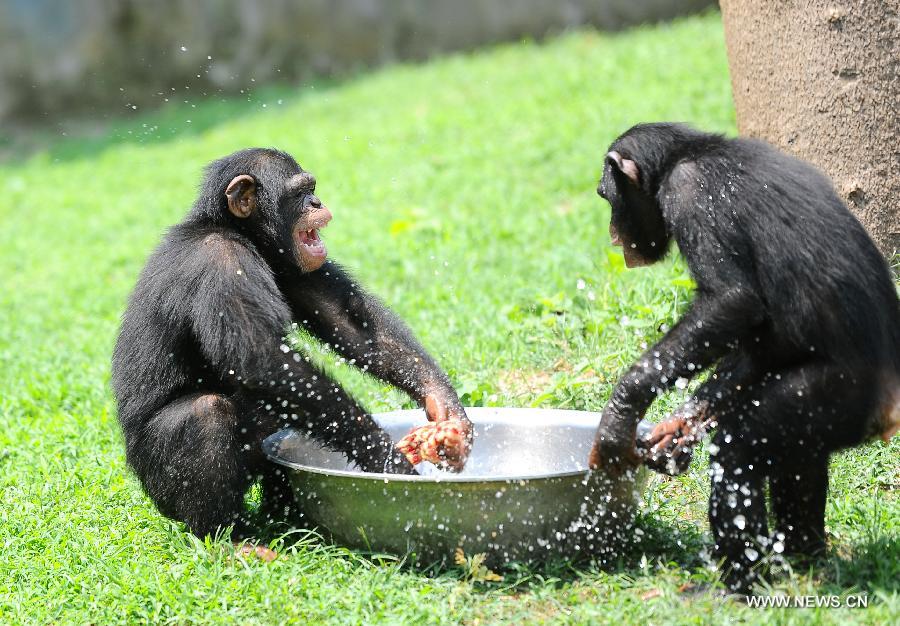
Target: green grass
column 463, row 193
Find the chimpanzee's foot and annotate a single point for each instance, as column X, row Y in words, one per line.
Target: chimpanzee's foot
column 263, row 553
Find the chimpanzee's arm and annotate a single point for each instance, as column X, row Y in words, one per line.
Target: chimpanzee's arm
column 706, row 332
column 725, row 309
column 333, row 307
column 239, row 320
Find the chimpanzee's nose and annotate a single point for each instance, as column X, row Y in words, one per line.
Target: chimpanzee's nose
column 315, row 202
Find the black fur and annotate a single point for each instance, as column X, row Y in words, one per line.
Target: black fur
column 795, row 306
column 201, row 372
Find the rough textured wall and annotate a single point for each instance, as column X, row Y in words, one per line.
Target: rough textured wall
column 62, row 56
column 821, row 79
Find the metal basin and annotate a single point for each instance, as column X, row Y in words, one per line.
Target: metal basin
column 525, row 495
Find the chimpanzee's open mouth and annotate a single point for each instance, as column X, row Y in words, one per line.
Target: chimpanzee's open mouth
column 308, row 242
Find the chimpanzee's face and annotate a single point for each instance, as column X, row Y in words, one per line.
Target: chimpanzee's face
column 307, row 215
column 276, row 201
column 636, row 221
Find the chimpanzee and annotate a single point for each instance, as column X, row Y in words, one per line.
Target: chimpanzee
column 201, row 369
column 795, row 307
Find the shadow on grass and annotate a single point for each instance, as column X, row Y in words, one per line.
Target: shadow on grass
column 872, row 567
column 652, row 541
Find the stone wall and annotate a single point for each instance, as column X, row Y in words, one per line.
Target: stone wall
column 75, row 57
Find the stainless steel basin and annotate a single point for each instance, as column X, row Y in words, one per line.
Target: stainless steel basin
column 525, row 495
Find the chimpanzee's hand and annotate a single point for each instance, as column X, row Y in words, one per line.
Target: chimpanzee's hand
column 447, row 440
column 614, row 446
column 445, row 444
column 669, row 447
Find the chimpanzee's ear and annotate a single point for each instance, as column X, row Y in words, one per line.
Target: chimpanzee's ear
column 241, row 194
column 626, row 166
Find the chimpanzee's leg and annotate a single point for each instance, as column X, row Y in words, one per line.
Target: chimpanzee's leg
column 787, row 424
column 737, row 504
column 799, row 491
column 270, row 415
column 192, row 464
column 278, row 503
column 804, row 415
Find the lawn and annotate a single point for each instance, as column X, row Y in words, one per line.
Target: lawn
column 463, row 194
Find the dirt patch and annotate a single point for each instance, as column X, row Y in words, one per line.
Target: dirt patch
column 520, row 382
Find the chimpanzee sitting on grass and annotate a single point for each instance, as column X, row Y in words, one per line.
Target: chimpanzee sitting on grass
column 201, row 370
column 794, row 306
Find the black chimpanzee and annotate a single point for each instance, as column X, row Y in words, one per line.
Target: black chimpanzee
column 793, row 303
column 201, row 370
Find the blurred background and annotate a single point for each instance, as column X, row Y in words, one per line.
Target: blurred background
column 62, row 61
column 818, row 79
